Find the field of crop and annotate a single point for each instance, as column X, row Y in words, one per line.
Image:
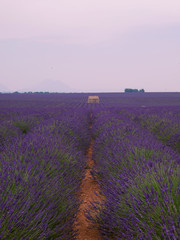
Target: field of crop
column 43, row 141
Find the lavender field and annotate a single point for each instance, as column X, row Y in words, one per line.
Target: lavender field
column 43, row 141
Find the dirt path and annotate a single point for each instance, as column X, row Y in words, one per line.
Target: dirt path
column 87, row 194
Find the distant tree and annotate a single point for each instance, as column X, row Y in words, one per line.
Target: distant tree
column 130, row 90
column 39, row 92
column 141, row 90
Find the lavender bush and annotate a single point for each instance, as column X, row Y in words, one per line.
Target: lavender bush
column 164, row 122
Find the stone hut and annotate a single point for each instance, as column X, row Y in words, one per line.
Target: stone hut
column 93, row 99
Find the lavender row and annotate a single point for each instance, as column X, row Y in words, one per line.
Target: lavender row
column 40, row 174
column 139, row 178
column 164, row 122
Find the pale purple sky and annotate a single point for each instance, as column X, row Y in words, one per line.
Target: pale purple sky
column 89, row 45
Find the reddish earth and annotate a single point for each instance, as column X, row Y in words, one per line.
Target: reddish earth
column 87, row 194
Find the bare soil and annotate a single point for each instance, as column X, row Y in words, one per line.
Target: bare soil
column 87, row 194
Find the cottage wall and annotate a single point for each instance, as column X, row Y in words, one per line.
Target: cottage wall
column 93, row 99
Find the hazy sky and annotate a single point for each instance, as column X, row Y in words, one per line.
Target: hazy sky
column 90, row 45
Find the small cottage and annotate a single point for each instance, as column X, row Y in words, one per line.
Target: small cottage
column 93, row 99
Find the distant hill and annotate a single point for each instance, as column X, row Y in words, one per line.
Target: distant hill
column 3, row 88
column 49, row 85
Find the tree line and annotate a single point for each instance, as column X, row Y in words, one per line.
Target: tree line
column 130, row 90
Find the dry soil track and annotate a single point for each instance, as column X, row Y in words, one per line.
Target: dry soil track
column 89, row 188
